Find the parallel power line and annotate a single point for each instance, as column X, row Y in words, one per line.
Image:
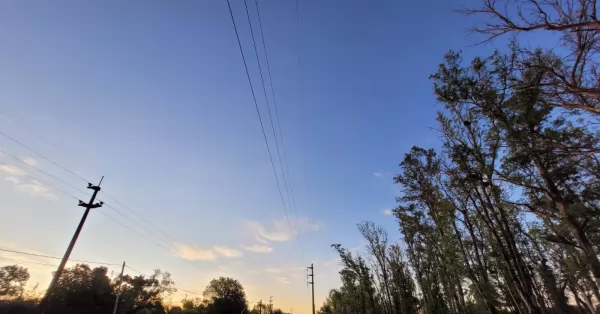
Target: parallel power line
column 44, row 157
column 287, row 168
column 259, row 115
column 56, row 257
column 178, row 288
column 23, row 261
column 169, row 246
column 75, row 188
column 285, row 183
column 53, row 188
column 76, row 175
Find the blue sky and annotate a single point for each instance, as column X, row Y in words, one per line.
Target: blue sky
column 153, row 95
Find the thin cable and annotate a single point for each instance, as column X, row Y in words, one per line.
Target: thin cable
column 73, row 187
column 258, row 111
column 287, row 181
column 139, row 216
column 56, row 257
column 134, row 231
column 170, row 250
column 99, row 211
column 133, row 221
column 44, row 172
column 22, row 261
column 38, row 181
column 46, row 158
column 178, row 288
column 301, row 99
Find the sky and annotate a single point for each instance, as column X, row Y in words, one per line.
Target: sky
column 153, row 96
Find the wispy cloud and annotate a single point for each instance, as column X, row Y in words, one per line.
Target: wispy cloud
column 258, row 248
column 226, row 251
column 195, row 253
column 274, row 270
column 11, row 170
column 30, row 161
column 387, row 211
column 281, row 230
column 13, row 180
column 382, row 174
column 283, row 280
column 23, row 184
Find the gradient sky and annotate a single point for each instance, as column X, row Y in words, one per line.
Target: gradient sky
column 153, row 95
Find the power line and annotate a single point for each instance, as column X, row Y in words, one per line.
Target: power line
column 56, row 257
column 133, row 221
column 76, row 198
column 38, row 181
column 140, row 217
column 100, row 212
column 75, row 188
column 44, row 172
column 178, row 288
column 22, row 261
column 287, row 181
column 133, row 230
column 258, row 111
column 46, row 158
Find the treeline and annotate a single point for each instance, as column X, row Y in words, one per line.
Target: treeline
column 504, row 217
column 83, row 289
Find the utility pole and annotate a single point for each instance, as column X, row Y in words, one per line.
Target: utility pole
column 312, row 283
column 260, row 307
column 46, row 300
column 270, row 305
column 119, row 292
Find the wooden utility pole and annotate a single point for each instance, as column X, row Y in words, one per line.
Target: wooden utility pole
column 312, row 283
column 270, row 311
column 119, row 292
column 46, row 300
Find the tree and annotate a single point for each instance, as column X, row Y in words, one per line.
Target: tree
column 12, row 281
column 571, row 81
column 146, row 291
column 226, row 295
column 83, row 287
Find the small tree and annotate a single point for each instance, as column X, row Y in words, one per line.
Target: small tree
column 12, row 281
column 226, row 295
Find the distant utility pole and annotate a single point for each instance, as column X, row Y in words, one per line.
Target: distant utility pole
column 312, row 283
column 119, row 292
column 46, row 300
column 260, row 307
column 271, row 305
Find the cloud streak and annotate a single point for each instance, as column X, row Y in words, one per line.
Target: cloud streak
column 382, row 174
column 258, row 248
column 195, row 253
column 226, row 251
column 22, row 183
column 280, row 230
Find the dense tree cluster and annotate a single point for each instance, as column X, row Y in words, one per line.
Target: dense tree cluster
column 82, row 289
column 504, row 217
